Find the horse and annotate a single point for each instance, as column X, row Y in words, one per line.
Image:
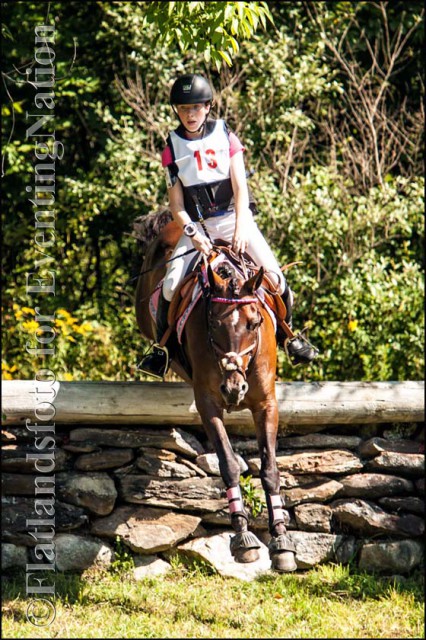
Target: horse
column 228, row 355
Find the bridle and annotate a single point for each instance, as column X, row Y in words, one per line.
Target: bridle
column 233, row 360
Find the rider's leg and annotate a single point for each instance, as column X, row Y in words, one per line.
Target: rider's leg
column 156, row 363
column 298, row 350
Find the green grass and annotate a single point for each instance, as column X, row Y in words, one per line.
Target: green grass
column 192, row 602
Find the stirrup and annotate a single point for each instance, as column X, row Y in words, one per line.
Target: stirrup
column 159, row 369
column 301, row 337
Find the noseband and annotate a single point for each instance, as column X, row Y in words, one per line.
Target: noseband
column 232, row 360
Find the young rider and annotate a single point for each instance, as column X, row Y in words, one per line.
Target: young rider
column 205, row 175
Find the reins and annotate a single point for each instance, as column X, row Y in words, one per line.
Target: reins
column 158, row 266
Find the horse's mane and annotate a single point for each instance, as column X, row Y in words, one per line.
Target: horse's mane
column 227, row 272
column 147, row 227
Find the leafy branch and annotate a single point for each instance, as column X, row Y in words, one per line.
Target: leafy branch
column 211, row 28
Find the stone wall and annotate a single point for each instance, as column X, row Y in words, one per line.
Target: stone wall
column 353, row 494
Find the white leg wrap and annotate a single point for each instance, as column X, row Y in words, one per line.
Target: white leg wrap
column 277, row 507
column 235, row 501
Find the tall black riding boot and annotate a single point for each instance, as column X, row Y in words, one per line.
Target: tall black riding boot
column 156, row 363
column 298, row 349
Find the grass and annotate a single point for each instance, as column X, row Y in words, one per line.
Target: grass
column 331, row 601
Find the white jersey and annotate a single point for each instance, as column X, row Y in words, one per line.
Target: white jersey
column 204, row 160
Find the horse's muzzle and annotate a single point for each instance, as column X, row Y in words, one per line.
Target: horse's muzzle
column 234, row 389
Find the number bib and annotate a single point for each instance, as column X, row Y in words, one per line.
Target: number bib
column 202, row 161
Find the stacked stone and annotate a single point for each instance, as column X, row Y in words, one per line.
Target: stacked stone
column 349, row 498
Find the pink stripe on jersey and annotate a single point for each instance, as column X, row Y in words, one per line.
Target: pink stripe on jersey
column 234, row 144
column 166, row 157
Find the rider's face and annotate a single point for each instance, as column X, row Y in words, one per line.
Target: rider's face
column 193, row 115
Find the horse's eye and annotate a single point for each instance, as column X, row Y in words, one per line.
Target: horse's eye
column 215, row 324
column 253, row 324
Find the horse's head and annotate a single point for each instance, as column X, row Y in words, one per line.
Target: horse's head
column 234, row 319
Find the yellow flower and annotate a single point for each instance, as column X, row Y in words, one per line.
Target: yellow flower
column 68, row 377
column 352, row 325
column 30, row 325
column 28, row 310
column 64, row 312
column 6, row 371
column 84, row 328
column 18, row 314
column 71, row 339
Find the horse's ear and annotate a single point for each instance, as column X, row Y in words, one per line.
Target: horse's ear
column 215, row 281
column 253, row 283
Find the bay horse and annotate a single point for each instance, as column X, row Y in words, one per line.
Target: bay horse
column 228, row 355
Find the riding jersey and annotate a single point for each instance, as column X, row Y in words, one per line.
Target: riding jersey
column 203, row 168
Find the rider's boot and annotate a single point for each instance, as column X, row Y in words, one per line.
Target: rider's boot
column 298, row 349
column 156, row 363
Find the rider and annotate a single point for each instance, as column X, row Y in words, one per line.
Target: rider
column 206, row 179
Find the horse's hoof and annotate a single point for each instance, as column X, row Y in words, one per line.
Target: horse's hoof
column 246, row 555
column 282, row 553
column 283, row 562
column 244, row 547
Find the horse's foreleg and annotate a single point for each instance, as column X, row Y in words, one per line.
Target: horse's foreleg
column 281, row 549
column 244, row 544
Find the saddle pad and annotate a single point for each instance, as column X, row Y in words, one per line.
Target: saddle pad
column 180, row 325
column 153, row 301
column 260, row 293
column 196, row 295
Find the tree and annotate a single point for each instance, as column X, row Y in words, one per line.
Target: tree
column 211, row 28
column 380, row 125
column 285, row 94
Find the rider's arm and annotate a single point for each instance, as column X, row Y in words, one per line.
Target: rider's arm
column 181, row 217
column 241, row 198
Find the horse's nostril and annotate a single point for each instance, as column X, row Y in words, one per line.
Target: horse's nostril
column 244, row 387
column 223, row 388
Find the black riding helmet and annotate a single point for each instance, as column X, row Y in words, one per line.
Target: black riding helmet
column 190, row 89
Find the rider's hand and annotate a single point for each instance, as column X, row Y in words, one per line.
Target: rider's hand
column 239, row 241
column 202, row 243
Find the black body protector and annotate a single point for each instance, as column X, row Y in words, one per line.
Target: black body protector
column 203, row 168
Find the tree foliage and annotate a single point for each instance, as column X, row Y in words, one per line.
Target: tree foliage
column 328, row 103
column 211, row 28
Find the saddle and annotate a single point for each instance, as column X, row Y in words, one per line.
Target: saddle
column 184, row 295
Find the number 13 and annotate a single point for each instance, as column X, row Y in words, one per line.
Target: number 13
column 211, row 161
